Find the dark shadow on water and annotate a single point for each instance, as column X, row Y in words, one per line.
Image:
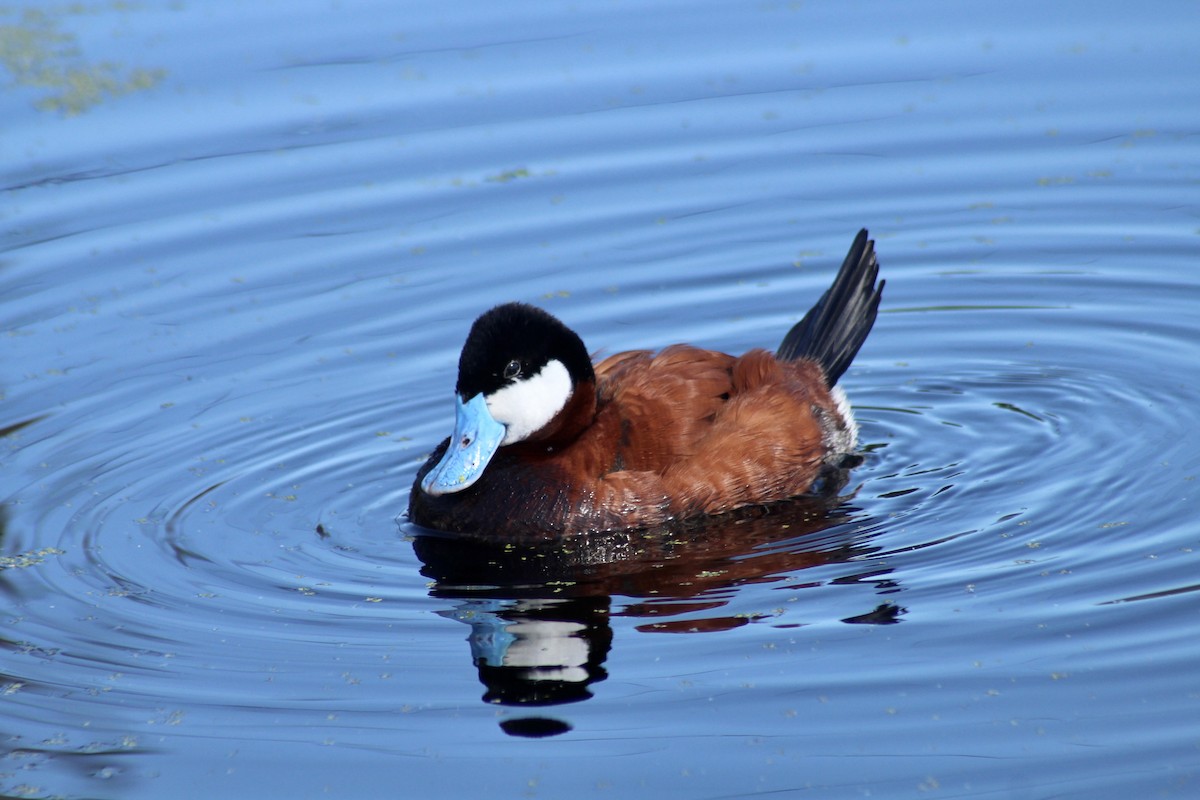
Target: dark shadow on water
column 539, row 611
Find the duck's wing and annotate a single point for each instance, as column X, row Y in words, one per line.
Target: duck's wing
column 665, row 401
column 708, row 432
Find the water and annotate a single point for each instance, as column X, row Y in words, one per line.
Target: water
column 242, row 245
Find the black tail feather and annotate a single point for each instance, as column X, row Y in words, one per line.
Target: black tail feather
column 833, row 329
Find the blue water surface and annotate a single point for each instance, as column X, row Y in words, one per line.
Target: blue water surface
column 241, row 245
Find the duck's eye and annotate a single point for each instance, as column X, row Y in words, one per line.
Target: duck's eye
column 512, row 369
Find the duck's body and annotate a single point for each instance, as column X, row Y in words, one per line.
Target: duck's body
column 547, row 443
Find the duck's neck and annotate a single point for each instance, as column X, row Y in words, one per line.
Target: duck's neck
column 571, row 421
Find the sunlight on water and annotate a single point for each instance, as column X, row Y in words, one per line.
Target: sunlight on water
column 241, row 248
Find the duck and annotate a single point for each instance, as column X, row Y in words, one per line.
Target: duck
column 549, row 443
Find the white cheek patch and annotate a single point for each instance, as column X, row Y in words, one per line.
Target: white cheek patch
column 528, row 405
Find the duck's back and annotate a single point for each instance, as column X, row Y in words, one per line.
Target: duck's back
column 665, row 401
column 712, row 432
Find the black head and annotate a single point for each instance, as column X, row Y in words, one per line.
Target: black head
column 514, row 341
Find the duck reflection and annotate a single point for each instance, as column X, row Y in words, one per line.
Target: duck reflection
column 539, row 609
column 537, row 651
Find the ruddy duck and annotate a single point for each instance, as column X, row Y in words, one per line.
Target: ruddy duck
column 547, row 443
